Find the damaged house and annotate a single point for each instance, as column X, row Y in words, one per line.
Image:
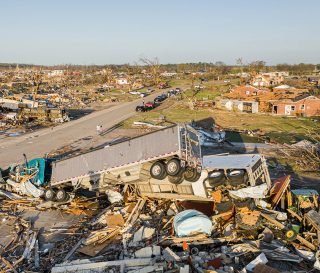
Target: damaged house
column 264, row 96
column 238, row 105
column 29, row 110
column 268, row 79
column 306, row 106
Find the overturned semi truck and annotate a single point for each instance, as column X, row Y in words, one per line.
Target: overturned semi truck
column 168, row 162
column 164, row 163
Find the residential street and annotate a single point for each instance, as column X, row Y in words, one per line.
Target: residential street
column 39, row 143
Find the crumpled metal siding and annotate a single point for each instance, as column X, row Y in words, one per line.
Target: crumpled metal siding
column 134, row 150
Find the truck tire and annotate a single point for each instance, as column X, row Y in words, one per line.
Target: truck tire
column 191, row 174
column 216, row 178
column 158, row 170
column 173, row 167
column 176, row 180
column 49, row 195
column 61, row 195
column 236, row 177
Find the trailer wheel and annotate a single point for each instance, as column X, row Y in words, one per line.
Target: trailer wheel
column 173, row 167
column 191, row 174
column 236, row 177
column 216, row 178
column 175, row 179
column 158, row 170
column 61, row 195
column 49, row 195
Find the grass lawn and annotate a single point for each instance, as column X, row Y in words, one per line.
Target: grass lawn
column 280, row 129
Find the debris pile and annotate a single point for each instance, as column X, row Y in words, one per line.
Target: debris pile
column 146, row 235
column 152, row 235
column 159, row 235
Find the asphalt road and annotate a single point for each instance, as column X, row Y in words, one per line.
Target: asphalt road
column 38, row 143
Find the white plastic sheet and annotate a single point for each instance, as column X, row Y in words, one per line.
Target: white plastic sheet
column 257, row 192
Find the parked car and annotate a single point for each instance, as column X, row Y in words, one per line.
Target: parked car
column 141, row 108
column 172, row 93
column 163, row 85
column 144, row 94
column 150, row 105
column 146, row 107
column 150, row 90
column 160, row 98
column 134, row 93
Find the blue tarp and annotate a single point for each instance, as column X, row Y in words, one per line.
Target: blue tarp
column 191, row 221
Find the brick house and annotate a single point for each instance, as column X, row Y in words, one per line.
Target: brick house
column 251, row 93
column 308, row 106
column 246, row 91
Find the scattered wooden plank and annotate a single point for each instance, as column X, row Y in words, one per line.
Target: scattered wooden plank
column 95, row 248
column 281, row 226
column 75, row 247
column 8, row 264
column 295, row 214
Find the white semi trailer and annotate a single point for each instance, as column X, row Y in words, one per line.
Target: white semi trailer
column 166, row 162
column 173, row 151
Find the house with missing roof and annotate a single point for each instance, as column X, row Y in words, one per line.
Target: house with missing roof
column 268, row 79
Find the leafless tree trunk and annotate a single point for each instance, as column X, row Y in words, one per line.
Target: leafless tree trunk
column 154, row 68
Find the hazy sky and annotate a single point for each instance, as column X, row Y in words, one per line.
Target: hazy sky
column 110, row 31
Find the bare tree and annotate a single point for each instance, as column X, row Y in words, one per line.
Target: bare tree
column 108, row 76
column 257, row 66
column 154, row 68
column 239, row 63
column 130, row 72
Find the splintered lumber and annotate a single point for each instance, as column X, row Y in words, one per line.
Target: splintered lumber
column 295, row 214
column 281, row 226
column 221, row 215
column 115, row 220
column 29, row 246
column 96, row 244
column 135, row 212
column 75, row 247
column 313, row 218
column 79, row 265
column 7, row 264
column 36, row 255
column 279, row 188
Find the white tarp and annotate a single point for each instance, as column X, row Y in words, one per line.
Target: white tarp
column 257, row 192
